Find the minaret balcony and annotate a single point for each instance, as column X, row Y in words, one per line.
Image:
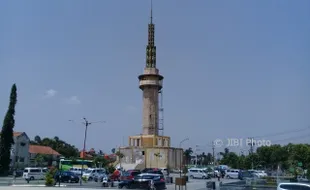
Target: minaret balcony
column 151, row 82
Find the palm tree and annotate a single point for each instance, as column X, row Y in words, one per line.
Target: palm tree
column 188, row 154
column 120, row 155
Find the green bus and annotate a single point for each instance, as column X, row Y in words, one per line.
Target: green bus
column 65, row 165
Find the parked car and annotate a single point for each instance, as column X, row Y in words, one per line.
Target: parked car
column 76, row 170
column 91, row 172
column 66, row 176
column 303, row 179
column 293, row 186
column 259, row 174
column 244, row 174
column 232, row 174
column 34, row 173
column 129, row 175
column 99, row 176
column 115, row 176
column 198, row 173
column 143, row 181
column 17, row 173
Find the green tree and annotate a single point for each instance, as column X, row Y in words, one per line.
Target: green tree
column 37, row 139
column 6, row 139
column 100, row 161
column 39, row 160
column 65, row 149
column 120, row 156
column 231, row 159
column 188, row 154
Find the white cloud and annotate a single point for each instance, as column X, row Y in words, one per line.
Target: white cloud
column 50, row 93
column 73, row 100
column 131, row 109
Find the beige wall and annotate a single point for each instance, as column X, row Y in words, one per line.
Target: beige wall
column 132, row 155
column 171, row 157
column 149, row 141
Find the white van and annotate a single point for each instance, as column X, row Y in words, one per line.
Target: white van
column 90, row 173
column 76, row 171
column 34, row 173
column 232, row 173
column 197, row 173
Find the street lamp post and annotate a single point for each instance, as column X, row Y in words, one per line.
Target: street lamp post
column 86, row 123
column 181, row 159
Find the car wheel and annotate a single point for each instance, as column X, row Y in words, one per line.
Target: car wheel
column 192, row 177
column 120, row 187
column 69, row 181
column 31, row 178
column 90, row 179
column 228, row 177
column 203, row 177
column 127, row 186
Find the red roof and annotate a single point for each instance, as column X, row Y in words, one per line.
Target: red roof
column 85, row 155
column 37, row 149
column 16, row 134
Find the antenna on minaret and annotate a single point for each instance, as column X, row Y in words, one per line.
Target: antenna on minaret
column 151, row 11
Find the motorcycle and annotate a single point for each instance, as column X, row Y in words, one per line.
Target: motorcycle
column 107, row 182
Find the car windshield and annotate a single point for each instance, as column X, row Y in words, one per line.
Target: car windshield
column 68, row 173
column 138, row 177
column 126, row 174
column 149, row 177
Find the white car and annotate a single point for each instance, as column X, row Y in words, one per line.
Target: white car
column 293, row 186
column 232, row 173
column 197, row 173
column 260, row 174
column 90, row 173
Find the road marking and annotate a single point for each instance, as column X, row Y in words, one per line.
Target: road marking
column 26, row 185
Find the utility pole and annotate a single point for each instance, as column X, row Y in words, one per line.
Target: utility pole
column 213, row 149
column 86, row 123
column 196, row 150
column 181, row 155
column 252, row 150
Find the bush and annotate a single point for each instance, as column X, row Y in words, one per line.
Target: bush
column 49, row 180
column 84, row 179
column 110, row 169
column 185, row 170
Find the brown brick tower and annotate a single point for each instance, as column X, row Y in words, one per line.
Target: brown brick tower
column 150, row 82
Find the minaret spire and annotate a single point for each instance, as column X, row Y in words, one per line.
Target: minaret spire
column 151, row 11
column 151, row 48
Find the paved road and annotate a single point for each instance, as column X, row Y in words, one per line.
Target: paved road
column 193, row 184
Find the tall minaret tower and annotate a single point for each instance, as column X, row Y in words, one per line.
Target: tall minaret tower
column 150, row 82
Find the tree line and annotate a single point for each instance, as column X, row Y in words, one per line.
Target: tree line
column 62, row 147
column 290, row 157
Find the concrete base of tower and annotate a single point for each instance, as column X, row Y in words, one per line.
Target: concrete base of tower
column 151, row 157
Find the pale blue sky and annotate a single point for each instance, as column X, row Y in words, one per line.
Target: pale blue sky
column 232, row 68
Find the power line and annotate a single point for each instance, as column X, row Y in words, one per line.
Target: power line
column 292, row 138
column 284, row 132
